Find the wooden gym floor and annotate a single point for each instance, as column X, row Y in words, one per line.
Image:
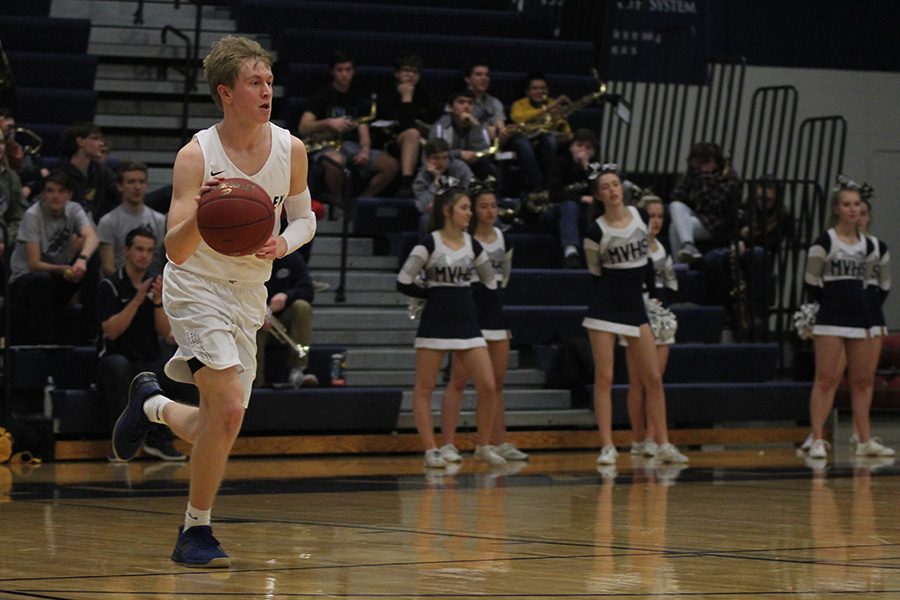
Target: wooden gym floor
column 734, row 524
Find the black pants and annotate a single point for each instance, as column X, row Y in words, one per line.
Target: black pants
column 36, row 300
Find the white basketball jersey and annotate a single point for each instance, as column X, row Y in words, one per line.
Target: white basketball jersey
column 274, row 177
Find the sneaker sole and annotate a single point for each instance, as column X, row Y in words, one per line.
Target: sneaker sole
column 162, row 456
column 221, row 562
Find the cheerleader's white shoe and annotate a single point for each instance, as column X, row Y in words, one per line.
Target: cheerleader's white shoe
column 873, row 447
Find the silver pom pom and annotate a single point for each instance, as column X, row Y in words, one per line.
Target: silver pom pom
column 663, row 322
column 415, row 306
column 805, row 319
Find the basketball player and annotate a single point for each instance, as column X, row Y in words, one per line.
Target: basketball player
column 644, row 443
column 448, row 256
column 489, row 304
column 616, row 251
column 837, row 267
column 215, row 302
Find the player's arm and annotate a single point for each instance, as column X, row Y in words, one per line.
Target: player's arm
column 301, row 225
column 183, row 235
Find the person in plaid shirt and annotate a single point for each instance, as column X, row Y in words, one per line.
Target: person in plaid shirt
column 704, row 203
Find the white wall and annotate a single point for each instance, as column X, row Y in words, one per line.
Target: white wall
column 870, row 102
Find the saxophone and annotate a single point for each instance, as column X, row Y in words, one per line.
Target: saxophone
column 738, row 292
column 328, row 139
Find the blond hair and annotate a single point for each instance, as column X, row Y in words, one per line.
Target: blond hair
column 649, row 199
column 223, row 63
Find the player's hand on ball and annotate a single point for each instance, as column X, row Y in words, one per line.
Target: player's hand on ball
column 275, row 247
column 209, row 184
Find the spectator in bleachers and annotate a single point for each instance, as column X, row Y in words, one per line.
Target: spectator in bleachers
column 95, row 183
column 763, row 224
column 29, row 167
column 535, row 134
column 449, row 259
column 703, row 204
column 487, row 109
column 569, row 195
column 405, row 102
column 489, row 304
column 132, row 213
column 331, row 117
column 54, row 245
column 438, row 164
column 835, row 278
column 616, row 248
column 135, row 335
column 467, row 138
column 290, row 295
column 12, row 203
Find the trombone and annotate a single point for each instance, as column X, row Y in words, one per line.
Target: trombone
column 276, row 327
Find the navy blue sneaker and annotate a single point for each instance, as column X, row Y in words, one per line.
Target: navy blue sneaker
column 132, row 425
column 196, row 547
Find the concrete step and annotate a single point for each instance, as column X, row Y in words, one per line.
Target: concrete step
column 333, row 261
column 573, row 417
column 149, row 157
column 361, row 281
column 170, row 53
column 328, row 244
column 120, row 12
column 154, row 123
column 515, row 399
column 144, row 141
column 385, row 338
column 353, row 319
column 379, row 299
column 530, row 378
column 124, row 34
column 155, row 107
column 364, row 358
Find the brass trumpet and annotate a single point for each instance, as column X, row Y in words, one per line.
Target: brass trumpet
column 33, row 148
column 276, row 327
column 330, row 139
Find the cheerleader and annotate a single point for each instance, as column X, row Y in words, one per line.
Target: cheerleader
column 493, row 327
column 448, row 256
column 644, row 444
column 836, row 270
column 616, row 250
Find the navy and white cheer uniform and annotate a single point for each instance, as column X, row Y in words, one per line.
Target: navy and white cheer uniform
column 489, row 302
column 835, row 276
column 617, row 257
column 664, row 273
column 449, row 319
column 878, row 284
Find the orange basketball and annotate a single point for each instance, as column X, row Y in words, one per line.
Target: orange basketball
column 236, row 217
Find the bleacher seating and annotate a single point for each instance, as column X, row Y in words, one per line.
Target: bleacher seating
column 271, row 15
column 79, row 412
column 53, row 72
column 442, row 51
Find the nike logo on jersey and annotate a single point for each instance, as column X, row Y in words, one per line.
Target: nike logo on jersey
column 214, row 173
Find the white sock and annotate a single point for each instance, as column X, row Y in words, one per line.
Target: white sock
column 153, row 408
column 194, row 517
column 570, row 250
